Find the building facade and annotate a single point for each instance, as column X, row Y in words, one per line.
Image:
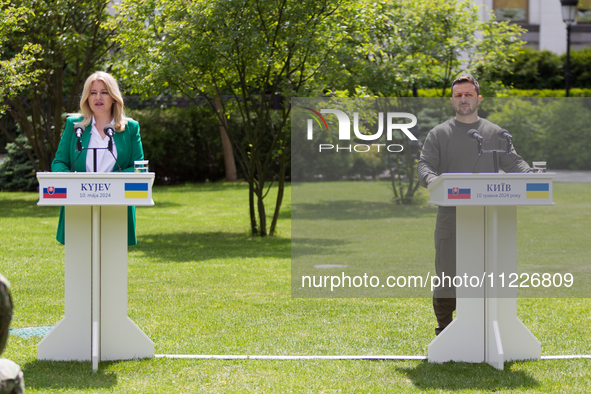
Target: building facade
column 543, row 21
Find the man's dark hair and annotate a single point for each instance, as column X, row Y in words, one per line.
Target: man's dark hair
column 466, row 78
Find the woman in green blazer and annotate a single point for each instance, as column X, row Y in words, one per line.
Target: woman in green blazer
column 101, row 104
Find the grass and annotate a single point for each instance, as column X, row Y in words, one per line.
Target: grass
column 200, row 284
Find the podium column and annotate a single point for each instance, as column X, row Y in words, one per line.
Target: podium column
column 486, row 327
column 507, row 338
column 463, row 339
column 95, row 326
column 71, row 339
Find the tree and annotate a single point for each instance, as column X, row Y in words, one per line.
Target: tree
column 412, row 44
column 71, row 42
column 423, row 44
column 257, row 52
column 16, row 68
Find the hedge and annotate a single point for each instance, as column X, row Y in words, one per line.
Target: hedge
column 181, row 144
column 574, row 92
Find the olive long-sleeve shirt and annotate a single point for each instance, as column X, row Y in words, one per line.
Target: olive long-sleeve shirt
column 448, row 148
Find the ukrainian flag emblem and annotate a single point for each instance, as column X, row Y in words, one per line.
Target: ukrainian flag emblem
column 136, row 190
column 537, row 190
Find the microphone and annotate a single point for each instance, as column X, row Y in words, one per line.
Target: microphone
column 78, row 130
column 504, row 135
column 475, row 135
column 109, row 131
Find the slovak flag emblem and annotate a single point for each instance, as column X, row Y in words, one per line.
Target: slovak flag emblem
column 455, row 193
column 55, row 192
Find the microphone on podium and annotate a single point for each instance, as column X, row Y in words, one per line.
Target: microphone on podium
column 110, row 131
column 475, row 135
column 78, row 130
column 504, row 135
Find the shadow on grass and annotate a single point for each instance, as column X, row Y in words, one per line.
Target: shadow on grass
column 201, row 187
column 316, row 246
column 158, row 204
column 285, row 213
column 21, row 207
column 184, row 247
column 452, row 376
column 66, row 374
column 358, row 210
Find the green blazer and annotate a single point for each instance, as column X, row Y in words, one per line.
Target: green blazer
column 129, row 149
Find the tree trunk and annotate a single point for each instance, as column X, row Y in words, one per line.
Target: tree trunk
column 228, row 152
column 280, row 191
column 253, row 218
column 262, row 214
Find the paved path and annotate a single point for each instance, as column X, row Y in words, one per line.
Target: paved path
column 572, row 176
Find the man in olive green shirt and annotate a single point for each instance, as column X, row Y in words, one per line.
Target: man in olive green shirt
column 448, row 148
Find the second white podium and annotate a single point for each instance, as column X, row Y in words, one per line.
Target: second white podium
column 486, row 327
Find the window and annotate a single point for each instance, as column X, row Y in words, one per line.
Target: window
column 511, row 10
column 584, row 11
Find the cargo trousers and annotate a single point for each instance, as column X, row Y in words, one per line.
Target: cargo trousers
column 444, row 298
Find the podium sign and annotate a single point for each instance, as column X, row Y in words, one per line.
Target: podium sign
column 486, row 327
column 492, row 189
column 95, row 326
column 83, row 188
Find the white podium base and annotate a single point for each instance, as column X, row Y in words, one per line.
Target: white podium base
column 95, row 326
column 486, row 329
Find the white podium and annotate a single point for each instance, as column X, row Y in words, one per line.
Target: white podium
column 486, row 327
column 95, row 326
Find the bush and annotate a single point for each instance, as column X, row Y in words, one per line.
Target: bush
column 16, row 171
column 550, row 130
column 534, row 69
column 580, row 68
column 568, row 139
column 575, row 92
column 182, row 144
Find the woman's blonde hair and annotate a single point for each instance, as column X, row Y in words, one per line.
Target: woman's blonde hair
column 117, row 112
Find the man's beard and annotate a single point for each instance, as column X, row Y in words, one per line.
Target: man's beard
column 465, row 110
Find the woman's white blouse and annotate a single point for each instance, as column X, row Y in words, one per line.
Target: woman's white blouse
column 105, row 161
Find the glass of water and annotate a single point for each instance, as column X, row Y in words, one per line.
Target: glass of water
column 140, row 166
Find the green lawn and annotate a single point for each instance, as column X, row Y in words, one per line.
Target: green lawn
column 199, row 284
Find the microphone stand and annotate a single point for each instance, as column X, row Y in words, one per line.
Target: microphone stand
column 109, row 131
column 109, row 147
column 76, row 159
column 79, row 150
column 94, row 164
column 495, row 153
column 94, row 156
